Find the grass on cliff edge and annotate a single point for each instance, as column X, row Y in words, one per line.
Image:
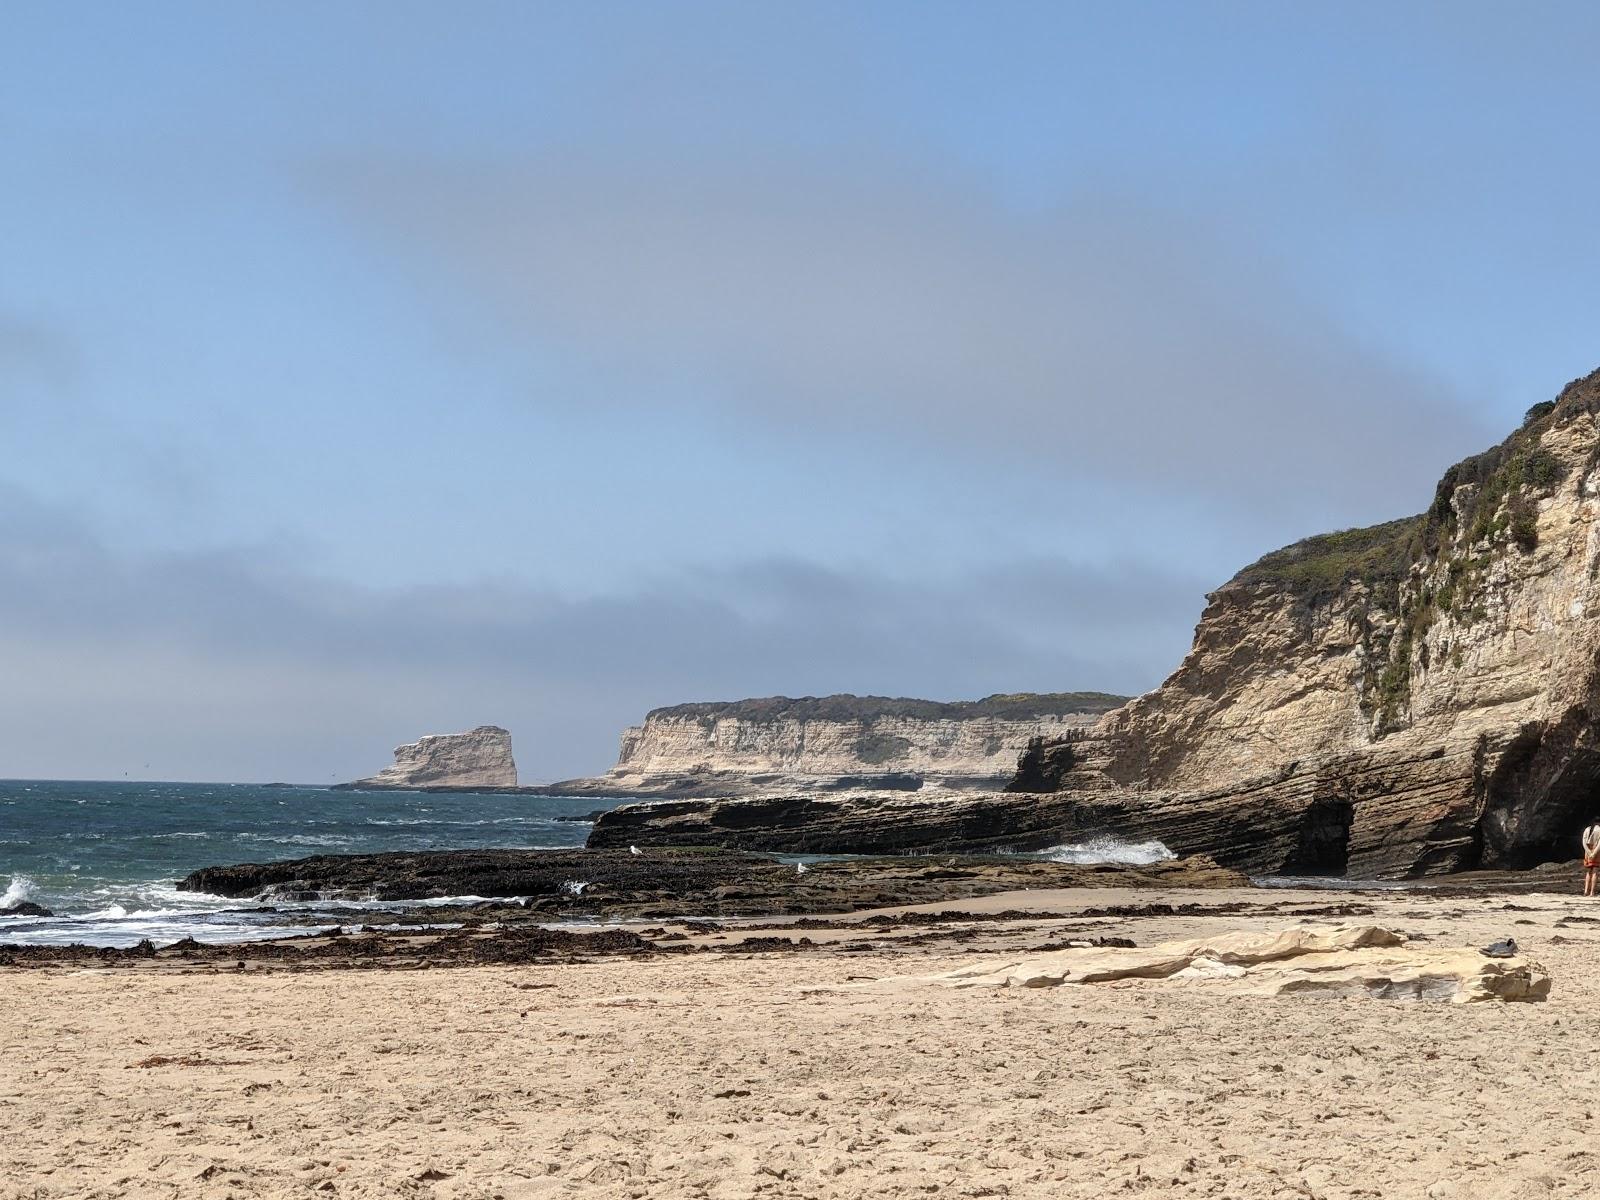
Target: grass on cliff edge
column 1019, row 706
column 1501, row 481
column 1317, row 567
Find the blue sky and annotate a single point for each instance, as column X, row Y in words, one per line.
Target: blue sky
column 369, row 370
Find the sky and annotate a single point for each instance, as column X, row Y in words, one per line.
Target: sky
column 369, row 370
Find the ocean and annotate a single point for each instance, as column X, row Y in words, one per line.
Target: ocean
column 105, row 857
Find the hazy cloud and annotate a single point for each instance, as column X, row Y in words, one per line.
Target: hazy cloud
column 1107, row 336
column 35, row 362
column 177, row 659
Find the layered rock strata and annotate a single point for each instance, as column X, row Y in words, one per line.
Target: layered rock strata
column 478, row 758
column 936, row 822
column 840, row 742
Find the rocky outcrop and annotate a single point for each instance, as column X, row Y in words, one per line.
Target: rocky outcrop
column 25, row 908
column 670, row 882
column 1424, row 694
column 479, row 758
column 952, row 822
column 839, row 742
column 1356, row 962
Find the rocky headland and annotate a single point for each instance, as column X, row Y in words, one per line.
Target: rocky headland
column 1415, row 698
column 834, row 743
column 477, row 759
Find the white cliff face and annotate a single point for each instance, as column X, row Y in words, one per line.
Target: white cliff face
column 480, row 757
column 979, row 747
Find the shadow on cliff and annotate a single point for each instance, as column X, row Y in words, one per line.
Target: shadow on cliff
column 1541, row 794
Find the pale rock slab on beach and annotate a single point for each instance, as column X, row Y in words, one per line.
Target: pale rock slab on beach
column 479, row 757
column 1354, row 961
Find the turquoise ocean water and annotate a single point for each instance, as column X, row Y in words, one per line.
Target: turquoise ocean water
column 105, row 856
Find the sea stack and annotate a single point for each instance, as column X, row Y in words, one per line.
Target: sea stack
column 478, row 758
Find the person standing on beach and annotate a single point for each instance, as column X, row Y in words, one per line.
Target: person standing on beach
column 1591, row 857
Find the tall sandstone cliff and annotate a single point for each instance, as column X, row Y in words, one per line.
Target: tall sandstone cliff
column 1414, row 698
column 842, row 736
column 480, row 757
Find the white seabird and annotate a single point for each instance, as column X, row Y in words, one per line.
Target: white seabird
column 634, row 850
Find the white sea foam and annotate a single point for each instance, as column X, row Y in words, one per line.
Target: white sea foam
column 20, row 888
column 1108, row 850
column 400, row 821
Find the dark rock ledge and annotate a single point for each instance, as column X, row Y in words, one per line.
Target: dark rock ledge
column 674, row 881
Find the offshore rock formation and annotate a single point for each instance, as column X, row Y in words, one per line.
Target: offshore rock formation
column 479, row 758
column 1410, row 699
column 730, row 749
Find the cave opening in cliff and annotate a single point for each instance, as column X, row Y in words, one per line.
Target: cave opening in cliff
column 1323, row 847
column 1553, row 831
column 1543, row 791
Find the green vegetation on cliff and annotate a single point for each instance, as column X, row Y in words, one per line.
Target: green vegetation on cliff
column 1020, row 706
column 1319, row 567
column 1483, row 506
column 1489, row 496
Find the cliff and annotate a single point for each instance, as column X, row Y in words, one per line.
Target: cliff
column 1410, row 699
column 735, row 747
column 480, row 757
column 1419, row 697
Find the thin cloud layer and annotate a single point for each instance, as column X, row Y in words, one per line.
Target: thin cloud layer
column 136, row 662
column 1106, row 337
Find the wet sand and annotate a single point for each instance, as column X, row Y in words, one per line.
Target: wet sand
column 701, row 1069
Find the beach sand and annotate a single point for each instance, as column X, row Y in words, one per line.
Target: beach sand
column 714, row 1075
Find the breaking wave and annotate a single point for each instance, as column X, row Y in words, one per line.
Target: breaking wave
column 1108, row 850
column 19, row 889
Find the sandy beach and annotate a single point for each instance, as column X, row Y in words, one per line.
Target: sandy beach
column 716, row 1075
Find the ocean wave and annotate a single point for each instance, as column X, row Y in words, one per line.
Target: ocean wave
column 297, row 839
column 401, row 821
column 1108, row 850
column 19, row 889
